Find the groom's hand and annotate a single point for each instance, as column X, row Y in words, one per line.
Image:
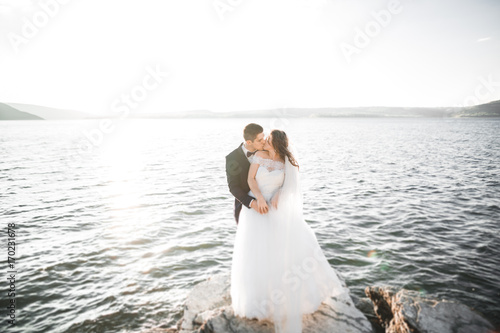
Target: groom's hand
column 254, row 205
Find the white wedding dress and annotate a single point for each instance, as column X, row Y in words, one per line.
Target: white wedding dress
column 279, row 272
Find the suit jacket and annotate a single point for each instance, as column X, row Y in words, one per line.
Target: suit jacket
column 237, row 167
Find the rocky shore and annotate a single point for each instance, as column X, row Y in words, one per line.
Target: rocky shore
column 208, row 310
column 404, row 311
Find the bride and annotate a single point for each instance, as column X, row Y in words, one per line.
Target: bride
column 279, row 272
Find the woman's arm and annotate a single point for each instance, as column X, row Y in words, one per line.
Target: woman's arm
column 252, row 183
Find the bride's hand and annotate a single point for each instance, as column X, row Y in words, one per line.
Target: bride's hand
column 263, row 208
column 274, row 201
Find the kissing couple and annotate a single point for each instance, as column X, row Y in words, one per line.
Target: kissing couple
column 279, row 272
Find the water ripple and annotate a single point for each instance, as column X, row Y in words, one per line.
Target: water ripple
column 114, row 239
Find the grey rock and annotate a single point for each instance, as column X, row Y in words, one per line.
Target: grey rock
column 208, row 310
column 406, row 311
column 209, row 295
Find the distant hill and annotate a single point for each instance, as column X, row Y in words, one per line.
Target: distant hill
column 492, row 109
column 50, row 113
column 359, row 112
column 7, row 112
column 485, row 110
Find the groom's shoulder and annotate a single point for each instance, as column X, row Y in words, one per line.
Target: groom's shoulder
column 234, row 153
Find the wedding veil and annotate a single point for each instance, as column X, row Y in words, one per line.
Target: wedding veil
column 304, row 263
column 288, row 317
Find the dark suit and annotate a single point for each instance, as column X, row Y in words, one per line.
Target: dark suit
column 237, row 166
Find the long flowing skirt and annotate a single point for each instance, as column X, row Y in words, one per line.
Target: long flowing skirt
column 279, row 271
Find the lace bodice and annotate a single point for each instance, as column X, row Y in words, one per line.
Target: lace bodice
column 270, row 165
column 270, row 176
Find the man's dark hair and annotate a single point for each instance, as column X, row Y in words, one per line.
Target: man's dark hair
column 251, row 131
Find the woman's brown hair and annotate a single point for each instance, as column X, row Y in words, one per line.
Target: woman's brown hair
column 280, row 145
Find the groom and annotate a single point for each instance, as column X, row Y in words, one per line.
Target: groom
column 237, row 165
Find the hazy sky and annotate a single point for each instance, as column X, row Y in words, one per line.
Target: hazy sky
column 222, row 55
